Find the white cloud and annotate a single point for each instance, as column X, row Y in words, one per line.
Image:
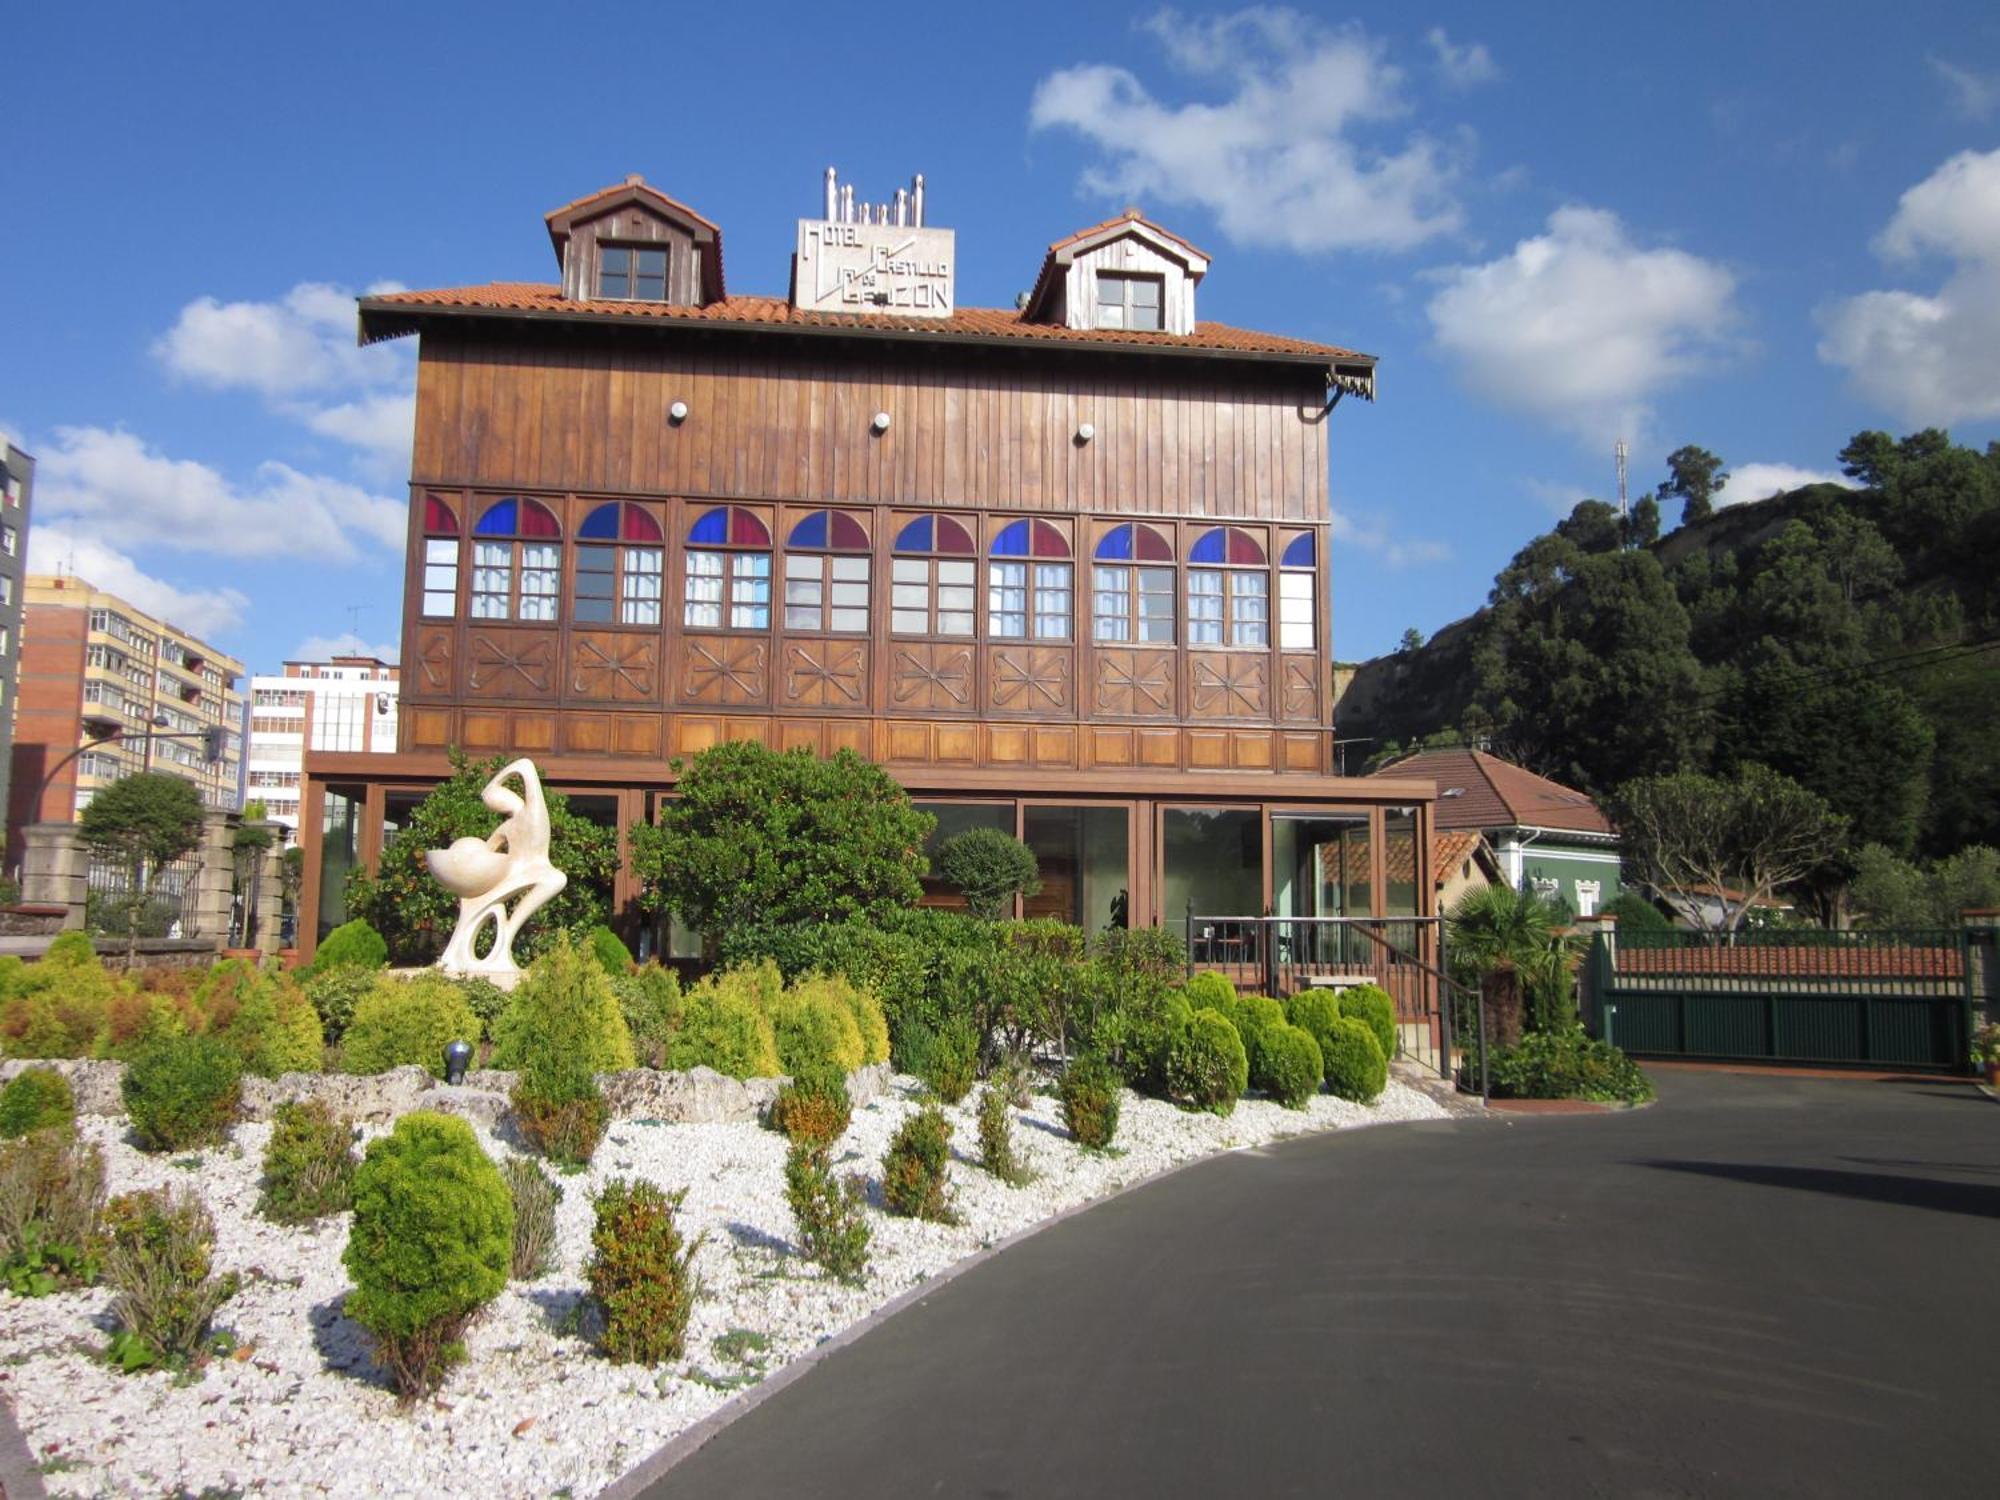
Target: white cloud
column 380, row 425
column 1581, row 326
column 321, row 647
column 72, row 550
column 1931, row 358
column 1749, row 482
column 111, row 480
column 1974, row 95
column 1371, row 536
column 1277, row 161
column 1462, row 66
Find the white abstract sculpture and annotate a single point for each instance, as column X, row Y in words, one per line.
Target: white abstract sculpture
column 485, row 877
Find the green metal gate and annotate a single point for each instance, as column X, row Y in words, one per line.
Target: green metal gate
column 1885, row 999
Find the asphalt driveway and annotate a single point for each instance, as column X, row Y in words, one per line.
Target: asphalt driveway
column 1761, row 1286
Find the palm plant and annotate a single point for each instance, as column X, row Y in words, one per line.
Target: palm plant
column 1517, row 936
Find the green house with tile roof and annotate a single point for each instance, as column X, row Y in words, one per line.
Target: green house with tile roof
column 1548, row 838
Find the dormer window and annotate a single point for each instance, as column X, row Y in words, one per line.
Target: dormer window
column 631, row 273
column 1129, row 302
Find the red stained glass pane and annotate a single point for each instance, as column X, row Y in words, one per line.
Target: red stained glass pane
column 952, row 538
column 1151, row 546
column 439, row 518
column 538, row 521
column 849, row 533
column 1049, row 542
column 1244, row 548
column 642, row 526
column 745, row 530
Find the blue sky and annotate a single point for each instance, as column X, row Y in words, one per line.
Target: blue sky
column 1757, row 228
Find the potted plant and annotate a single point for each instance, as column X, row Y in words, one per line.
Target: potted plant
column 1986, row 1051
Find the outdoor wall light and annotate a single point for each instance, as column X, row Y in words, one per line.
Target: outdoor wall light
column 881, row 422
column 457, row 1058
column 677, row 413
column 1085, row 432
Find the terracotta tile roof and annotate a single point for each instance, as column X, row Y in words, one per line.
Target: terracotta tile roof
column 393, row 314
column 1790, row 961
column 574, row 207
column 1448, row 852
column 1498, row 794
column 1451, row 849
column 1127, row 218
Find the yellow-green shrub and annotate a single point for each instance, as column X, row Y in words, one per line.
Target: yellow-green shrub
column 861, row 1004
column 407, row 1021
column 814, row 1031
column 263, row 1016
column 136, row 1020
column 57, row 1006
column 563, row 1014
column 724, row 1025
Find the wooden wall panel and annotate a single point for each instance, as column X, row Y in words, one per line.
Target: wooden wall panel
column 973, row 431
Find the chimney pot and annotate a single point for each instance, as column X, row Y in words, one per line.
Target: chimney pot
column 633, row 179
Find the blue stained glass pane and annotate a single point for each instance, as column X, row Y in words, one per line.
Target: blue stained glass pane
column 1209, row 548
column 498, row 521
column 1012, row 540
column 1299, row 554
column 811, row 532
column 712, row 527
column 601, row 524
column 915, row 537
column 1117, row 543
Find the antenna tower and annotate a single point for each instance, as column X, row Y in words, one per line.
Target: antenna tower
column 1619, row 452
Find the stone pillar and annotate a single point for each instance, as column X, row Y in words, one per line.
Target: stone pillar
column 270, row 889
column 217, row 854
column 55, row 869
column 1982, row 931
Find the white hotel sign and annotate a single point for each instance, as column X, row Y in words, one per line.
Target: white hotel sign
column 885, row 268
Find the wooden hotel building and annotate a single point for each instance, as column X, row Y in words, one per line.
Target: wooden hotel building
column 1060, row 568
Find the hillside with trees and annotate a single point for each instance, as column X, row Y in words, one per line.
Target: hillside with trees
column 1846, row 638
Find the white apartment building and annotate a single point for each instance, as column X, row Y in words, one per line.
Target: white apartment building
column 347, row 703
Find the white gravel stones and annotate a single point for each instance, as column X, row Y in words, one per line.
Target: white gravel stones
column 301, row 1410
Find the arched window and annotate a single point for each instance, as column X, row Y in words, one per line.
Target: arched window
column 440, row 591
column 516, row 561
column 1229, row 596
column 1031, row 596
column 619, row 552
column 731, row 586
column 1130, row 600
column 1298, row 589
column 826, row 573
column 934, row 579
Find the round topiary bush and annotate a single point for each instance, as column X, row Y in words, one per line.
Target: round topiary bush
column 814, row 1033
column 183, row 1092
column 1089, row 1091
column 610, row 951
column 1291, row 1064
column 1149, row 1036
column 1355, row 1066
column 563, row 1015
column 432, row 1241
column 813, row 1109
column 869, row 1020
column 402, row 1021
column 1314, row 1011
column 723, row 1026
column 1207, row 1067
column 1208, row 991
column 37, row 1099
column 350, row 945
column 1256, row 1015
column 1371, row 1004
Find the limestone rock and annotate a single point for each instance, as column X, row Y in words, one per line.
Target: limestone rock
column 94, row 1083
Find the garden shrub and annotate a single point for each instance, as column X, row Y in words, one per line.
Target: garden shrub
column 561, row 1112
column 37, row 1099
column 334, row 993
column 1149, row 1037
column 401, row 1021
column 814, row 1031
column 488, row 1001
column 1569, row 1064
column 1014, row 1077
column 996, row 1139
column 563, row 1016
column 1256, row 1016
column 649, row 997
column 640, row 1275
column 870, row 1025
column 136, row 1020
column 1025, row 991
column 827, row 1215
column 57, row 1006
column 1206, row 991
column 308, row 1164
column 431, row 1245
column 1207, row 1067
column 51, row 1203
column 1089, row 1092
column 1370, row 1003
column 989, row 868
column 157, row 1261
column 916, row 1173
column 1315, row 1011
column 263, row 1016
column 1137, row 973
column 724, row 1025
column 1355, row 1066
column 183, row 1092
column 813, row 1109
column 949, row 1064
column 610, row 951
column 535, row 1197
column 1291, row 1064
column 350, row 945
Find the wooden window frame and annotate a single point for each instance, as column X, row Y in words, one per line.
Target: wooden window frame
column 728, row 601
column 931, row 585
column 1131, row 594
column 621, row 573
column 1230, row 575
column 823, row 575
column 517, row 570
column 1125, row 281
column 633, row 249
